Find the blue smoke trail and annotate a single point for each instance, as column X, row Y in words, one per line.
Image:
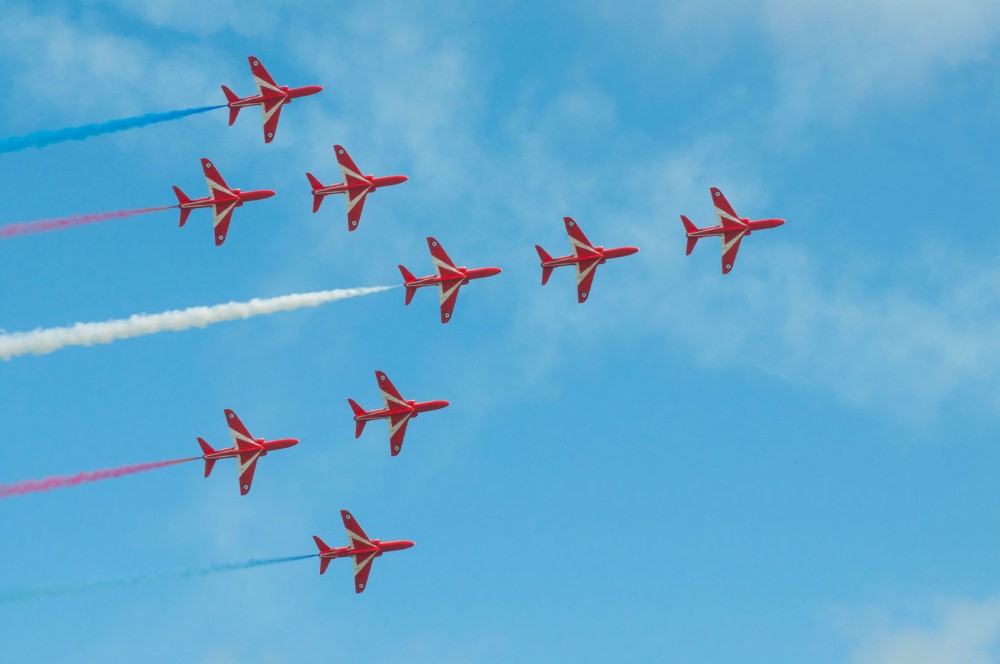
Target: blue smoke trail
column 21, row 594
column 40, row 139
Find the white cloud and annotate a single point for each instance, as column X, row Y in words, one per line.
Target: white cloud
column 955, row 631
column 76, row 69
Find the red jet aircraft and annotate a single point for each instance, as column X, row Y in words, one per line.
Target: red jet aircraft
column 246, row 450
column 270, row 97
column 586, row 257
column 355, row 185
column 449, row 278
column 397, row 410
column 731, row 229
column 362, row 548
column 221, row 199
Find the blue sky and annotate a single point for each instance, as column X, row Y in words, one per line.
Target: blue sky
column 790, row 463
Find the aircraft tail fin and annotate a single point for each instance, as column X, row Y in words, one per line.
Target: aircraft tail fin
column 315, row 184
column 408, row 279
column 359, row 425
column 230, row 98
column 323, row 548
column 545, row 258
column 690, row 228
column 181, row 200
column 207, row 449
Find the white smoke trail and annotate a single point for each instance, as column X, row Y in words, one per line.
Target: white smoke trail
column 46, row 340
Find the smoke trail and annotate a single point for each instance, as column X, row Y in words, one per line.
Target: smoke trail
column 49, row 483
column 44, row 225
column 21, row 594
column 46, row 340
column 40, row 139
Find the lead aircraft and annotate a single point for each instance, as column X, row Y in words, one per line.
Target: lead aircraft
column 362, row 548
column 731, row 229
column 449, row 278
column 355, row 186
column 586, row 257
column 221, row 198
column 246, row 450
column 270, row 97
column 398, row 411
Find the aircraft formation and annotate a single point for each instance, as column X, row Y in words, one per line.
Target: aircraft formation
column 448, row 278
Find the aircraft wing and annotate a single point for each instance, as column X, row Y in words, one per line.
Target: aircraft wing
column 362, row 568
column 356, row 536
column 271, row 108
column 577, row 240
column 241, row 437
column 397, row 429
column 585, row 271
column 350, row 171
column 443, row 264
column 222, row 214
column 217, row 187
column 391, row 396
column 731, row 245
column 449, row 296
column 355, row 204
column 246, row 466
column 727, row 215
column 265, row 84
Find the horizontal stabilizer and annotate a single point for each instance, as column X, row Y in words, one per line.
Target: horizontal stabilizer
column 545, row 258
column 323, row 548
column 182, row 198
column 230, row 98
column 689, row 227
column 316, row 185
column 205, row 447
column 359, row 425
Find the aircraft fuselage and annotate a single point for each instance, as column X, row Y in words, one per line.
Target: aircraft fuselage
column 265, row 446
column 415, row 407
column 604, row 254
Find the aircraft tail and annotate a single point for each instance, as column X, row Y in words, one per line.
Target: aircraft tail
column 230, row 98
column 545, row 258
column 359, row 425
column 181, row 200
column 316, row 184
column 207, row 449
column 323, row 548
column 690, row 228
column 408, row 279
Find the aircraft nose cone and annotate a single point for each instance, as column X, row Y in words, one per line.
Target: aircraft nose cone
column 406, row 544
column 293, row 441
column 267, row 193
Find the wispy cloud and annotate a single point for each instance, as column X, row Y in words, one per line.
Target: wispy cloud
column 961, row 630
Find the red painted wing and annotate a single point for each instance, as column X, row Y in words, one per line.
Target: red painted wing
column 222, row 214
column 449, row 296
column 271, row 108
column 362, row 568
column 585, row 271
column 241, row 436
column 727, row 215
column 265, row 84
column 577, row 240
column 443, row 264
column 356, row 536
column 351, row 172
column 730, row 245
column 355, row 204
column 397, row 430
column 391, row 396
column 247, row 466
column 217, row 187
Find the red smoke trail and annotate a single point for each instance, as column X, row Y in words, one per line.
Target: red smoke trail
column 44, row 225
column 49, row 483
